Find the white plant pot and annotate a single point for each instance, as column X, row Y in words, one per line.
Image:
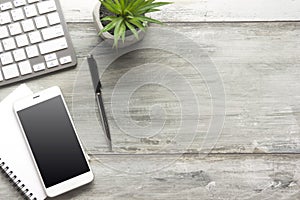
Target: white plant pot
column 129, row 39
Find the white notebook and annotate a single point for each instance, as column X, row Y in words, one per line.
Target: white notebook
column 15, row 159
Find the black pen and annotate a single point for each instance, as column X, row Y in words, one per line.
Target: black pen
column 98, row 95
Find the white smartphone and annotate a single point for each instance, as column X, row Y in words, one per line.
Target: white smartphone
column 52, row 140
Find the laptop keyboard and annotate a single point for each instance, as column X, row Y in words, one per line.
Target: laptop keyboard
column 34, row 40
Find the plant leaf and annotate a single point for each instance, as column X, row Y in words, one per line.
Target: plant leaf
column 134, row 4
column 146, row 3
column 126, row 12
column 145, row 9
column 130, row 14
column 152, row 10
column 148, row 19
column 117, row 33
column 108, row 18
column 111, row 25
column 122, row 3
column 123, row 31
column 111, row 6
column 137, row 23
column 132, row 29
column 118, row 5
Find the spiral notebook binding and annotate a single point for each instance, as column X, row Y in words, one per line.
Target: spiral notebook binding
column 21, row 188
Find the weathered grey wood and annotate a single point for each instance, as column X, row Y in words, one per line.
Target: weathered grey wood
column 203, row 10
column 255, row 66
column 244, row 177
column 259, row 65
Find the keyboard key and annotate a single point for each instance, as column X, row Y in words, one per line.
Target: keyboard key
column 10, row 71
column 5, row 18
column 33, row 1
column 6, row 58
column 40, row 22
column 19, row 3
column 22, row 40
column 17, row 14
column 50, row 57
column 3, row 32
column 52, row 32
column 65, row 60
column 19, row 55
column 25, row 67
column 35, row 37
column 53, row 18
column 15, row 28
column 52, row 63
column 32, row 51
column 9, row 44
column 39, row 67
column 32, row 39
column 46, row 6
column 6, row 6
column 28, row 25
column 30, row 11
column 53, row 45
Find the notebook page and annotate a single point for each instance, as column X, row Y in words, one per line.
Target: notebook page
column 13, row 149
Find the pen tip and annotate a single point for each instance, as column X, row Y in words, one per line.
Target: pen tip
column 89, row 56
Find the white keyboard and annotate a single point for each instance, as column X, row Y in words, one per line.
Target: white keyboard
column 34, row 40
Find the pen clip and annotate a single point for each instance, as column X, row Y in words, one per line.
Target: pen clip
column 94, row 73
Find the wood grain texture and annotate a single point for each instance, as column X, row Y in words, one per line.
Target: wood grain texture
column 259, row 68
column 257, row 154
column 224, row 177
column 203, row 10
column 256, row 67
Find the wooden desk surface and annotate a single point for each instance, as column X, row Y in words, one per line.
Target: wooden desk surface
column 256, row 155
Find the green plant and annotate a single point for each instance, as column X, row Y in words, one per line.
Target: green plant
column 129, row 15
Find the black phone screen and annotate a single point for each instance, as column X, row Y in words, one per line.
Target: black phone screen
column 53, row 142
